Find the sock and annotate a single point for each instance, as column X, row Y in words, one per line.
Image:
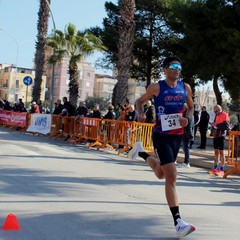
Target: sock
column 175, row 214
column 143, row 155
column 215, row 166
column 222, row 168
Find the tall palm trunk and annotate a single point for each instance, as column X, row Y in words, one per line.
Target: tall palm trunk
column 126, row 35
column 73, row 84
column 42, row 26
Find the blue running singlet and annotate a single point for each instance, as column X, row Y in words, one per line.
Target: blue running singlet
column 169, row 106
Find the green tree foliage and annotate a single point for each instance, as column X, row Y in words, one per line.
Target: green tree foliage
column 203, row 33
column 150, row 34
column 208, row 35
column 235, row 105
column 74, row 46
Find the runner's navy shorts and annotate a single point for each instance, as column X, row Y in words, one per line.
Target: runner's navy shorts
column 166, row 147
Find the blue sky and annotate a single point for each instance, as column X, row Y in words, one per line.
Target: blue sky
column 18, row 18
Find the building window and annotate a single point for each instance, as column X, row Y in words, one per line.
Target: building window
column 89, row 74
column 110, row 88
column 17, row 83
column 6, row 84
column 80, row 75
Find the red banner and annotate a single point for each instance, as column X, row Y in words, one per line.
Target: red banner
column 17, row 119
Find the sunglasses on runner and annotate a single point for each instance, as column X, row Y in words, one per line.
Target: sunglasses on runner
column 175, row 66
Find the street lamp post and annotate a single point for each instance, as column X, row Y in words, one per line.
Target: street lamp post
column 53, row 65
column 17, row 45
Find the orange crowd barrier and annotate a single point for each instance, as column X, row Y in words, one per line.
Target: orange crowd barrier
column 103, row 132
column 76, row 136
column 56, row 127
column 233, row 152
column 28, row 122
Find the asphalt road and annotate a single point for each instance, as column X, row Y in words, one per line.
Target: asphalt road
column 60, row 191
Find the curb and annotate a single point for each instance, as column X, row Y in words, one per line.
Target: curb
column 200, row 159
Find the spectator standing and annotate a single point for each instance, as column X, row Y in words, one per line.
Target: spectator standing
column 15, row 107
column 2, row 104
column 203, row 127
column 117, row 110
column 81, row 110
column 68, row 108
column 122, row 113
column 196, row 116
column 220, row 124
column 169, row 98
column 34, row 108
column 126, row 106
column 150, row 112
column 8, row 107
column 58, row 107
column 89, row 113
column 22, row 108
column 40, row 105
column 110, row 114
column 96, row 112
column 18, row 105
column 132, row 114
column 188, row 138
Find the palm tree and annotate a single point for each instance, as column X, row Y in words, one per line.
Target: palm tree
column 74, row 46
column 126, row 26
column 42, row 26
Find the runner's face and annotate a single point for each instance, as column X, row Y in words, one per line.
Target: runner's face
column 172, row 73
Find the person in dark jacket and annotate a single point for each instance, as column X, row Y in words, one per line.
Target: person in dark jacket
column 203, row 127
column 196, row 117
column 58, row 107
column 81, row 110
column 89, row 113
column 68, row 109
column 40, row 105
column 96, row 112
column 188, row 138
column 110, row 114
column 150, row 113
column 132, row 114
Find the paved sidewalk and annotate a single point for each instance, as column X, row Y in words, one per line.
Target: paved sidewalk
column 203, row 158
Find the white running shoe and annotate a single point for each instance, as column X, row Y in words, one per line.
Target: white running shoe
column 184, row 165
column 133, row 153
column 183, row 228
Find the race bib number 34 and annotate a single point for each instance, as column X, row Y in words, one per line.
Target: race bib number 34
column 171, row 121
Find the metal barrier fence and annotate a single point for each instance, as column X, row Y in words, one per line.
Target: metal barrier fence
column 233, row 152
column 102, row 132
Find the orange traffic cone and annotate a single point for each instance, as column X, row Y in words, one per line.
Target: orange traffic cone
column 11, row 223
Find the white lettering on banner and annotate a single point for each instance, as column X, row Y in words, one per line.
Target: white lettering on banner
column 17, row 118
column 5, row 116
column 170, row 121
column 40, row 123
